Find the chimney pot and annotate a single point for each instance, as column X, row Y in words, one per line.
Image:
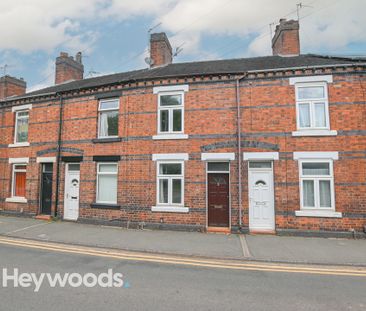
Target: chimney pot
column 286, row 41
column 68, row 68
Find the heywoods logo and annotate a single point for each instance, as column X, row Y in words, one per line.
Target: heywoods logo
column 105, row 280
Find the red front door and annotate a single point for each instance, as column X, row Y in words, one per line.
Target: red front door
column 218, row 200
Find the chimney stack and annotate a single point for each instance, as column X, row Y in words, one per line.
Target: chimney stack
column 160, row 50
column 10, row 86
column 68, row 68
column 286, row 41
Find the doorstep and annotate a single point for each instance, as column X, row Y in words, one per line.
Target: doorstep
column 225, row 230
column 43, row 217
column 262, row 231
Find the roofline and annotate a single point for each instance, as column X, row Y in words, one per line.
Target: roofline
column 182, row 75
column 308, row 67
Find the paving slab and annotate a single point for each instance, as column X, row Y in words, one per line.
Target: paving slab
column 307, row 250
column 15, row 224
column 173, row 242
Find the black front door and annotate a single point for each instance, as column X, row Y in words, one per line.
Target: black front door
column 46, row 188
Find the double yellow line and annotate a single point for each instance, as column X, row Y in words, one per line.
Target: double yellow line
column 186, row 261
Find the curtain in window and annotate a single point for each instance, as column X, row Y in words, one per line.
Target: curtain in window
column 107, row 188
column 308, row 193
column 320, row 115
column 304, row 115
column 20, row 178
column 324, row 193
column 103, row 131
column 163, row 191
column 22, row 130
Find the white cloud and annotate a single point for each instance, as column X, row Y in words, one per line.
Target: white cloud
column 44, row 25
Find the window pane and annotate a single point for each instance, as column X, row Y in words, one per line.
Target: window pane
column 23, row 114
column 22, row 129
column 308, row 193
column 320, row 115
column 163, row 189
column 177, row 191
column 164, row 121
column 304, row 115
column 108, row 124
column 177, row 120
column 109, row 105
column 47, row 167
column 74, row 167
column 315, row 169
column 170, row 100
column 218, row 166
column 19, row 184
column 110, row 168
column 324, row 193
column 107, row 188
column 311, row 92
column 257, row 164
column 20, row 167
column 170, row 169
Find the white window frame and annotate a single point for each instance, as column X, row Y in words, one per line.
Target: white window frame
column 13, row 184
column 171, row 109
column 100, row 111
column 106, row 173
column 170, row 181
column 312, row 103
column 316, row 179
column 16, row 127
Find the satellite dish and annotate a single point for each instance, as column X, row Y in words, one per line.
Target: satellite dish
column 149, row 61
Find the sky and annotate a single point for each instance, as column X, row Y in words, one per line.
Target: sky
column 113, row 34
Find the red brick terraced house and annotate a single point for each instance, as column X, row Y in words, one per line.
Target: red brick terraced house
column 265, row 144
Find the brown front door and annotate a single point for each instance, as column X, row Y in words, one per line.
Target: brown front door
column 218, row 200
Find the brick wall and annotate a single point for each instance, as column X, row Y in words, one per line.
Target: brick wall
column 268, row 118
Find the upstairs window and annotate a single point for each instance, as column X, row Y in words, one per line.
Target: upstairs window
column 19, row 180
column 317, row 190
column 108, row 118
column 171, row 113
column 21, row 126
column 312, row 106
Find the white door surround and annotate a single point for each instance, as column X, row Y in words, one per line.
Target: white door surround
column 72, row 186
column 261, row 196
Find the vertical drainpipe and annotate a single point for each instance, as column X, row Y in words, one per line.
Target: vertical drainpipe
column 239, row 147
column 58, row 157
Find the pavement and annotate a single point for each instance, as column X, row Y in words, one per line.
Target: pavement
column 304, row 250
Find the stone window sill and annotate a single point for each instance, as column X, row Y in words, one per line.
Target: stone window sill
column 170, row 136
column 314, row 133
column 318, row 213
column 17, row 145
column 106, row 140
column 105, row 206
column 170, row 209
column 16, row 200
